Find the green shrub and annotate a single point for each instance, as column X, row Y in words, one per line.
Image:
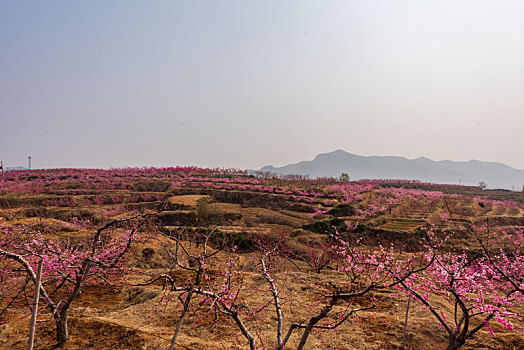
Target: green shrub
column 327, row 226
column 342, row 210
column 239, row 239
column 219, row 239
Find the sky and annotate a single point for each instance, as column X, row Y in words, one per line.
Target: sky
column 244, row 84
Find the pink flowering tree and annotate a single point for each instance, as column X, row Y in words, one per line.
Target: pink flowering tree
column 319, row 256
column 196, row 261
column 467, row 282
column 503, row 249
column 335, row 295
column 12, row 282
column 223, row 293
column 68, row 265
column 367, row 267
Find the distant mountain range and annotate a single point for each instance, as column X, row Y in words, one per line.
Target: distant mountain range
column 495, row 175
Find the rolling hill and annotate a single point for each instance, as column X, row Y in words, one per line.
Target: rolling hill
column 496, row 175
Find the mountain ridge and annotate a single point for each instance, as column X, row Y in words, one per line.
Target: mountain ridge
column 471, row 172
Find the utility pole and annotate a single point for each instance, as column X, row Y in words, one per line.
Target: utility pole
column 459, row 182
column 29, row 157
column 2, row 168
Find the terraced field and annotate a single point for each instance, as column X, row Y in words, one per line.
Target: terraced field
column 250, row 212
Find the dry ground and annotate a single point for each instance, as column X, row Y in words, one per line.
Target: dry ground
column 126, row 316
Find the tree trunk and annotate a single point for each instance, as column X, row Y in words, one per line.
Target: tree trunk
column 62, row 333
column 181, row 319
column 455, row 344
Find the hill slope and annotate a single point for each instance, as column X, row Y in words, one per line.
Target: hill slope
column 61, row 207
column 496, row 175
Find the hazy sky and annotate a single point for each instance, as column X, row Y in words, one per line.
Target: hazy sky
column 250, row 83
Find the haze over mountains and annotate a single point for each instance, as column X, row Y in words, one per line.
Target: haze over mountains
column 496, row 175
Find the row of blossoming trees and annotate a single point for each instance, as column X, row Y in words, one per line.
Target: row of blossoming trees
column 482, row 285
column 71, row 182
